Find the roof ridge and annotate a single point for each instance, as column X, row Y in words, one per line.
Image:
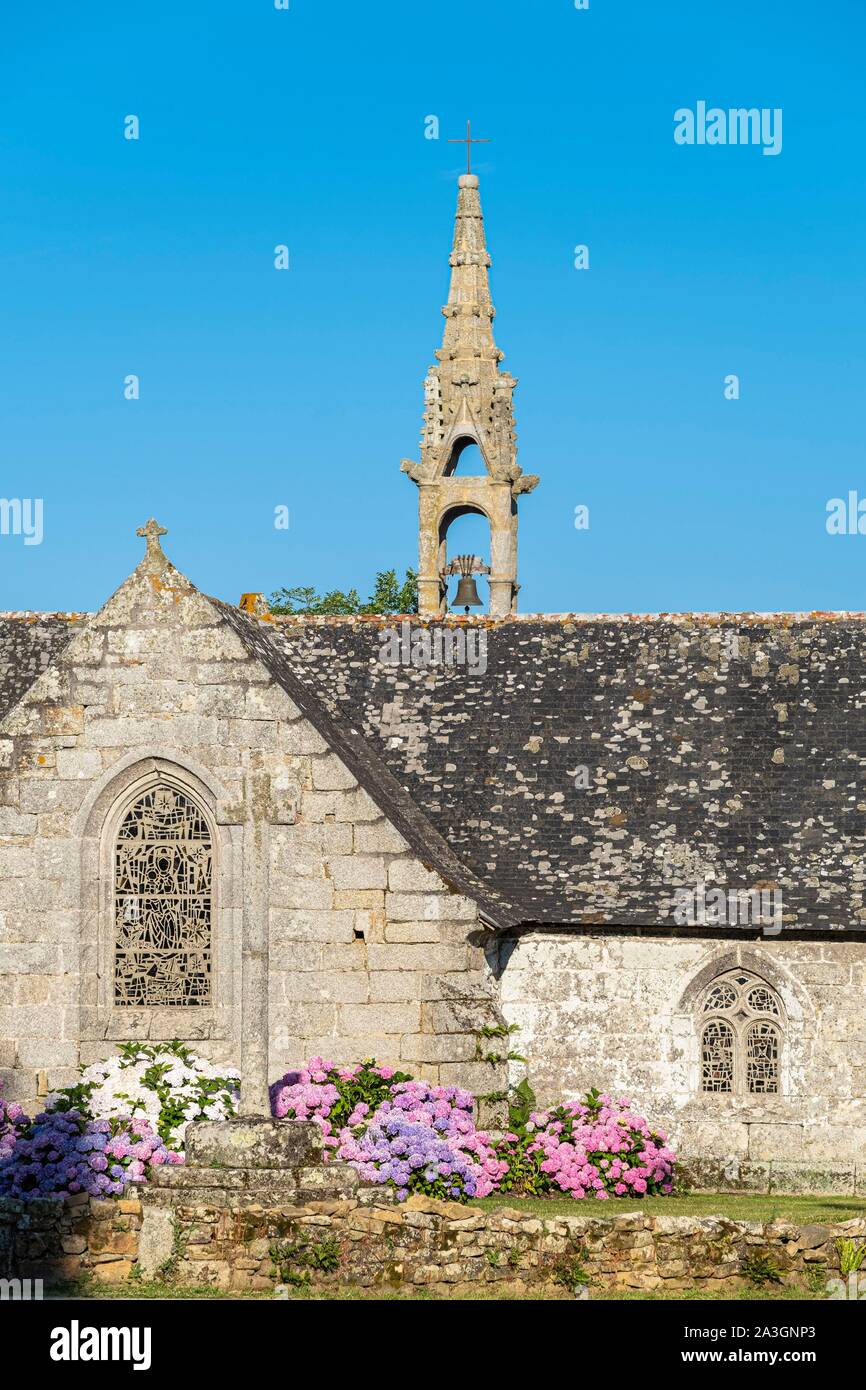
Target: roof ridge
column 709, row 617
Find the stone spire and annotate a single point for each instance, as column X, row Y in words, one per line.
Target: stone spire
column 468, row 400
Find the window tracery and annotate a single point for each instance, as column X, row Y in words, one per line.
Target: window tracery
column 163, row 902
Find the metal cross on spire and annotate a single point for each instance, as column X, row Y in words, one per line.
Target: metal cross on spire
column 468, row 141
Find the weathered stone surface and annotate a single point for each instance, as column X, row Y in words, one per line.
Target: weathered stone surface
column 308, row 826
column 156, row 1239
column 468, row 400
column 226, row 1238
column 628, row 1010
column 252, row 1143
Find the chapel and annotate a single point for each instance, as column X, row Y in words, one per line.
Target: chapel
column 256, row 834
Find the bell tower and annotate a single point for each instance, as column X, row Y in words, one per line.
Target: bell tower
column 468, row 400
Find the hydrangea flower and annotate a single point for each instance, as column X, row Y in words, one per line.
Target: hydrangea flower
column 333, row 1097
column 595, row 1148
column 409, row 1156
column 61, row 1152
column 162, row 1083
column 128, row 1116
column 422, row 1138
column 12, row 1122
column 447, row 1111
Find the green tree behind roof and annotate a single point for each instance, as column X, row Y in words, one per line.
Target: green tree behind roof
column 388, row 596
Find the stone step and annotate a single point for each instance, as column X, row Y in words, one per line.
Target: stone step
column 272, row 1197
column 249, row 1142
column 323, row 1178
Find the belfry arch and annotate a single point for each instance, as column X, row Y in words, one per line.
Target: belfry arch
column 447, row 551
column 468, row 400
column 456, row 459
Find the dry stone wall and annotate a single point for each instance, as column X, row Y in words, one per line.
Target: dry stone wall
column 70, row 1240
column 422, row 1244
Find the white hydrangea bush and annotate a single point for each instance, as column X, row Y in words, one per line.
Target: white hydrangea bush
column 163, row 1083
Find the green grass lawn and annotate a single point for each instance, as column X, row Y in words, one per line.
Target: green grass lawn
column 736, row 1205
column 491, row 1293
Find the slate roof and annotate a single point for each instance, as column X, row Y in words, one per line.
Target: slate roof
column 29, row 643
column 726, row 749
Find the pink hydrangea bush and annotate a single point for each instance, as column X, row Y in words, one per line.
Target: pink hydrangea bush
column 598, row 1147
column 336, row 1098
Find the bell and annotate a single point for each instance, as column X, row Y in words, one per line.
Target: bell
column 467, row 594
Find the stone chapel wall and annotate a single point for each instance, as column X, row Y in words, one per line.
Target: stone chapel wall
column 370, row 951
column 621, row 1013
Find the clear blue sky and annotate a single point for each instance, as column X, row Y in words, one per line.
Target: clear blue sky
column 304, row 388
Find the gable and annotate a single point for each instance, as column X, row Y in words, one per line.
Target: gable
column 163, row 667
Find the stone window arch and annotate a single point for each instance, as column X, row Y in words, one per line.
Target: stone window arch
column 112, row 1008
column 163, row 884
column 741, row 1033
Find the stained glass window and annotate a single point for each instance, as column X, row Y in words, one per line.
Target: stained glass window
column 762, row 1058
column 741, row 1044
column 163, row 901
column 722, row 996
column 717, row 1056
column 762, row 1001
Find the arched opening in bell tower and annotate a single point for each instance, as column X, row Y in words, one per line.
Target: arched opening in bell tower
column 464, row 529
column 465, row 460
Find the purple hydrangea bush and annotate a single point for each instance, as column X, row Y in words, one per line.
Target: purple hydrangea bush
column 409, row 1158
column 61, row 1152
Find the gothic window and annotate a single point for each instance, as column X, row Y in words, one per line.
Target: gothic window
column 762, row 1058
column 163, row 902
column 741, row 1039
column 717, row 1056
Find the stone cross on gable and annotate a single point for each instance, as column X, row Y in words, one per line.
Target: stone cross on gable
column 152, row 532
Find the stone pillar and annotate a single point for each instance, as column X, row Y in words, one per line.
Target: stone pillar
column 503, row 567
column 260, row 807
column 429, row 582
column 254, row 951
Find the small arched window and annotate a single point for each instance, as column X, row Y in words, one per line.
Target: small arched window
column 465, row 460
column 741, row 1036
column 163, row 902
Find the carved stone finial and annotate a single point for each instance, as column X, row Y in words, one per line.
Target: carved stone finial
column 153, row 553
column 255, row 604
